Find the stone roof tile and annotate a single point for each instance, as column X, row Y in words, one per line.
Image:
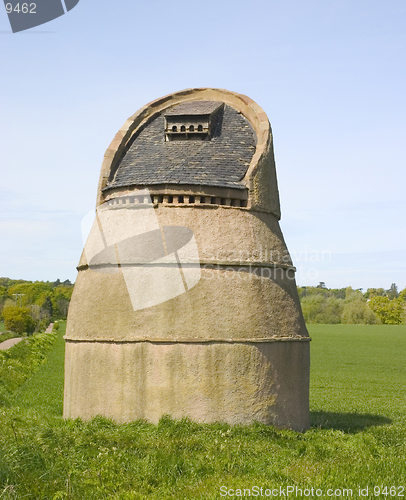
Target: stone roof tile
column 194, row 108
column 222, row 161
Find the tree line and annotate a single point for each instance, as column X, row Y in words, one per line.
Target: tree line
column 345, row 305
column 29, row 306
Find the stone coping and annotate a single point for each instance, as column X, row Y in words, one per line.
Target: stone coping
column 188, row 341
column 242, row 263
column 212, row 263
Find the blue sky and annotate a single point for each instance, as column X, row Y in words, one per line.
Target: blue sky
column 329, row 74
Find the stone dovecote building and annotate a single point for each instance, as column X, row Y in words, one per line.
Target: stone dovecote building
column 185, row 302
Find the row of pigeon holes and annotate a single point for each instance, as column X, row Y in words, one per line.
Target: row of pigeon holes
column 181, row 199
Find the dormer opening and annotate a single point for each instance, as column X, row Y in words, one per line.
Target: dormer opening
column 196, row 121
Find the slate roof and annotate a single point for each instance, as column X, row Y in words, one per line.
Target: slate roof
column 194, row 108
column 223, row 161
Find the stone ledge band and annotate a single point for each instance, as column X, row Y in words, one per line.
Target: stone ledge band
column 189, row 341
column 222, row 264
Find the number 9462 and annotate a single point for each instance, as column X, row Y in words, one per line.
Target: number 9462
column 25, row 8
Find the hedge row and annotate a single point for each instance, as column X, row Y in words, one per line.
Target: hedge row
column 20, row 361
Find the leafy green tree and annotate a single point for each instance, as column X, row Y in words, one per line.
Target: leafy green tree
column 393, row 291
column 319, row 309
column 402, row 297
column 302, row 291
column 357, row 312
column 311, row 306
column 61, row 300
column 7, row 282
column 3, row 297
column 8, row 302
column 390, row 312
column 18, row 319
column 373, row 292
column 31, row 291
column 331, row 311
column 355, row 309
column 351, row 295
column 47, row 307
column 338, row 293
column 47, row 301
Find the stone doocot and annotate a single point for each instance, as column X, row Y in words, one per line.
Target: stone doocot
column 197, row 169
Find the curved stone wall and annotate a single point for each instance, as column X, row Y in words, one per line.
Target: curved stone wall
column 186, row 302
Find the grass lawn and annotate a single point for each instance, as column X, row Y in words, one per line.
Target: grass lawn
column 357, row 439
column 1, row 326
column 358, row 369
column 44, row 391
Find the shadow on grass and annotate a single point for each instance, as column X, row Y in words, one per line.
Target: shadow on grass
column 346, row 422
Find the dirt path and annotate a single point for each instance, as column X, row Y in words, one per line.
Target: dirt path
column 9, row 343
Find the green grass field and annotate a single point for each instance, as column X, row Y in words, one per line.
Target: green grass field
column 357, row 439
column 44, row 391
column 1, row 326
